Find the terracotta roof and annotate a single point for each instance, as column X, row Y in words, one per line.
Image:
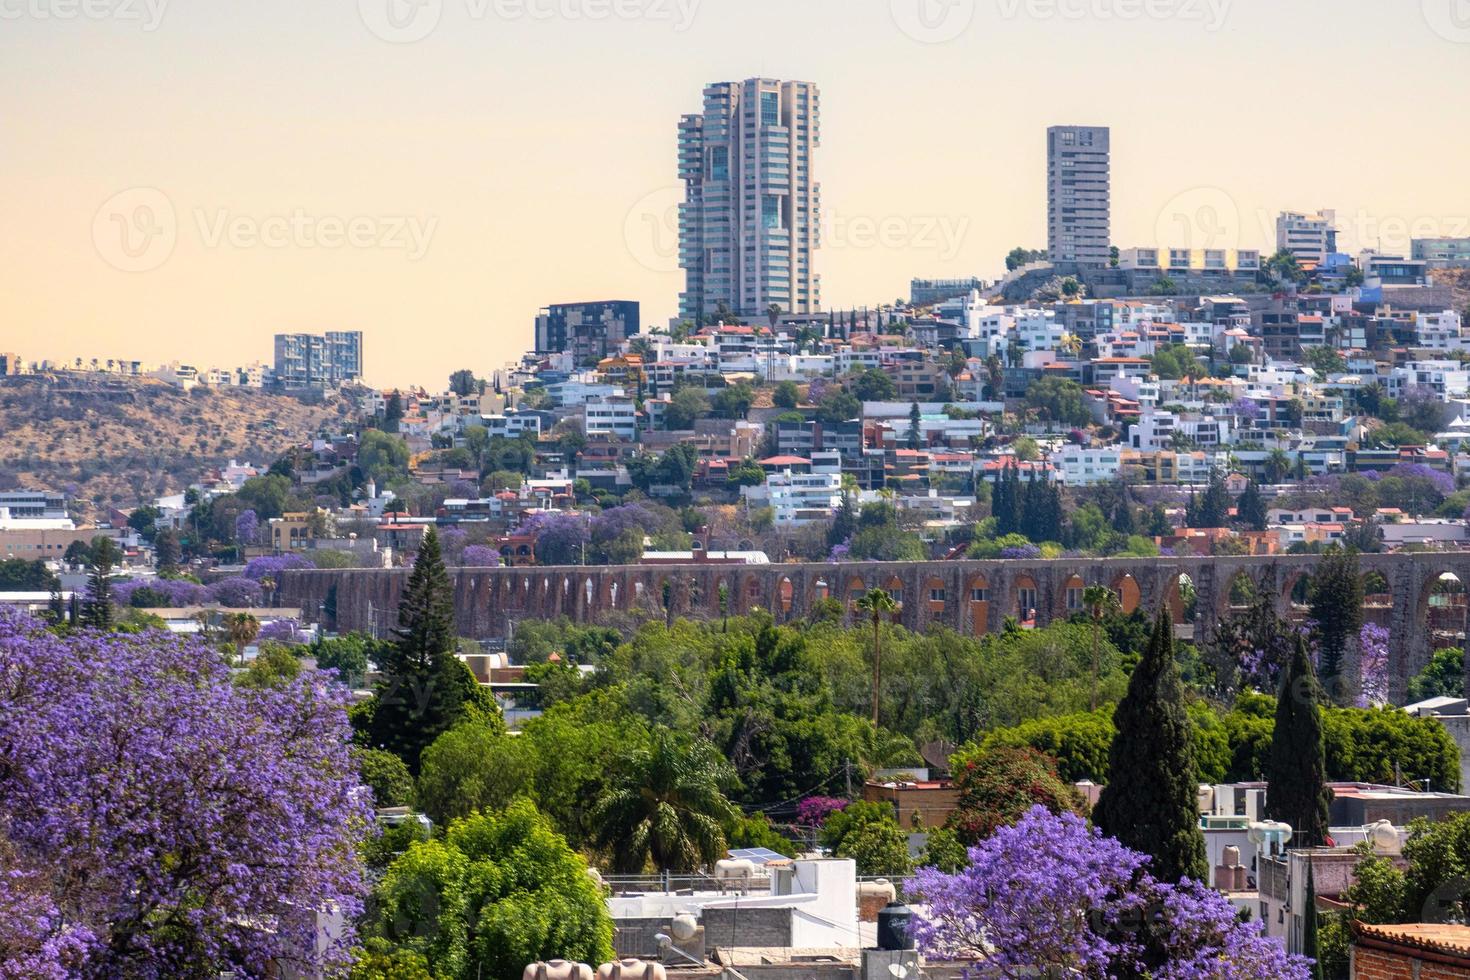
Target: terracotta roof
column 1430, row 937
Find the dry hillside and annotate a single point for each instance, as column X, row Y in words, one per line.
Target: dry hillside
column 1458, row 280
column 116, row 441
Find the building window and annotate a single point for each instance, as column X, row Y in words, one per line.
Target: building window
column 770, row 108
column 1074, row 600
column 936, row 595
column 1026, row 602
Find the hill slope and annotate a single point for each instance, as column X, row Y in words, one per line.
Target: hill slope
column 111, row 441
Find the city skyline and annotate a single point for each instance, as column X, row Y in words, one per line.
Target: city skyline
column 466, row 232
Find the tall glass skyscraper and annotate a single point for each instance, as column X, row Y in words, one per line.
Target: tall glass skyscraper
column 1079, row 195
column 750, row 224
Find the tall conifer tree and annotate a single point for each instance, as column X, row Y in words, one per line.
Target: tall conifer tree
column 1296, row 764
column 1151, row 803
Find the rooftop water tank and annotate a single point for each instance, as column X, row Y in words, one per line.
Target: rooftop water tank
column 893, row 927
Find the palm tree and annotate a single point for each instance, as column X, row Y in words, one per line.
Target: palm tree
column 877, row 603
column 1100, row 601
column 667, row 807
column 240, row 630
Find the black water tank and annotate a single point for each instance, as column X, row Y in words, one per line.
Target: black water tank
column 893, row 926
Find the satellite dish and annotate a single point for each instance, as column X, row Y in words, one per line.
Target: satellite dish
column 898, row 970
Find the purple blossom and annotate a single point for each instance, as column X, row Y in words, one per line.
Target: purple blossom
column 452, row 541
column 1026, row 551
column 1443, row 482
column 286, row 631
column 237, row 593
column 839, row 553
column 559, row 536
column 814, row 810
column 271, row 566
column 480, row 556
column 464, row 490
column 159, row 593
column 1052, row 895
column 1373, row 663
column 247, row 526
column 161, row 820
column 1246, row 410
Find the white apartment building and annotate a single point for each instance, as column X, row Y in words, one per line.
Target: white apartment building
column 750, row 224
column 799, row 498
column 1449, row 379
column 1080, row 466
column 511, row 425
column 1079, row 195
column 1440, row 331
column 615, row 415
column 1310, row 237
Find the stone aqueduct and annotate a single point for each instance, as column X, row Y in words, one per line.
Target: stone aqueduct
column 972, row 597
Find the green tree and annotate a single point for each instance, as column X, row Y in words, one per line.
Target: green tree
column 879, row 848
column 1059, row 400
column 393, row 412
column 425, row 689
column 876, row 604
column 386, row 775
column 686, row 405
column 1250, row 508
column 1444, row 677
column 472, row 767
column 463, row 383
column 667, row 806
column 499, row 891
column 1100, row 602
column 944, row 852
column 381, row 457
column 97, row 606
column 787, row 395
column 1151, row 802
column 1309, row 946
column 838, row 405
column 168, row 554
column 915, row 439
column 1296, row 766
column 1336, row 602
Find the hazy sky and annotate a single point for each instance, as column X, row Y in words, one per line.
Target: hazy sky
column 184, row 179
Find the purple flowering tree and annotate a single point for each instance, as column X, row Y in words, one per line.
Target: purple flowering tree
column 814, row 810
column 560, row 536
column 247, row 527
column 271, row 566
column 162, row 821
column 480, row 556
column 452, row 541
column 1053, row 896
column 237, row 593
column 285, row 631
column 160, row 593
column 1373, row 660
column 1246, row 410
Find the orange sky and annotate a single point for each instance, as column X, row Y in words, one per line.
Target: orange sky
column 183, row 181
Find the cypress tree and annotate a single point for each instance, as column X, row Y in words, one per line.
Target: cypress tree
column 1033, row 510
column 1310, row 947
column 915, row 437
column 1296, row 763
column 425, row 689
column 1151, row 803
column 1336, row 602
column 1250, row 509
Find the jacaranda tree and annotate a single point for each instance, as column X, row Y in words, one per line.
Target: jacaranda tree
column 157, row 820
column 1051, row 896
